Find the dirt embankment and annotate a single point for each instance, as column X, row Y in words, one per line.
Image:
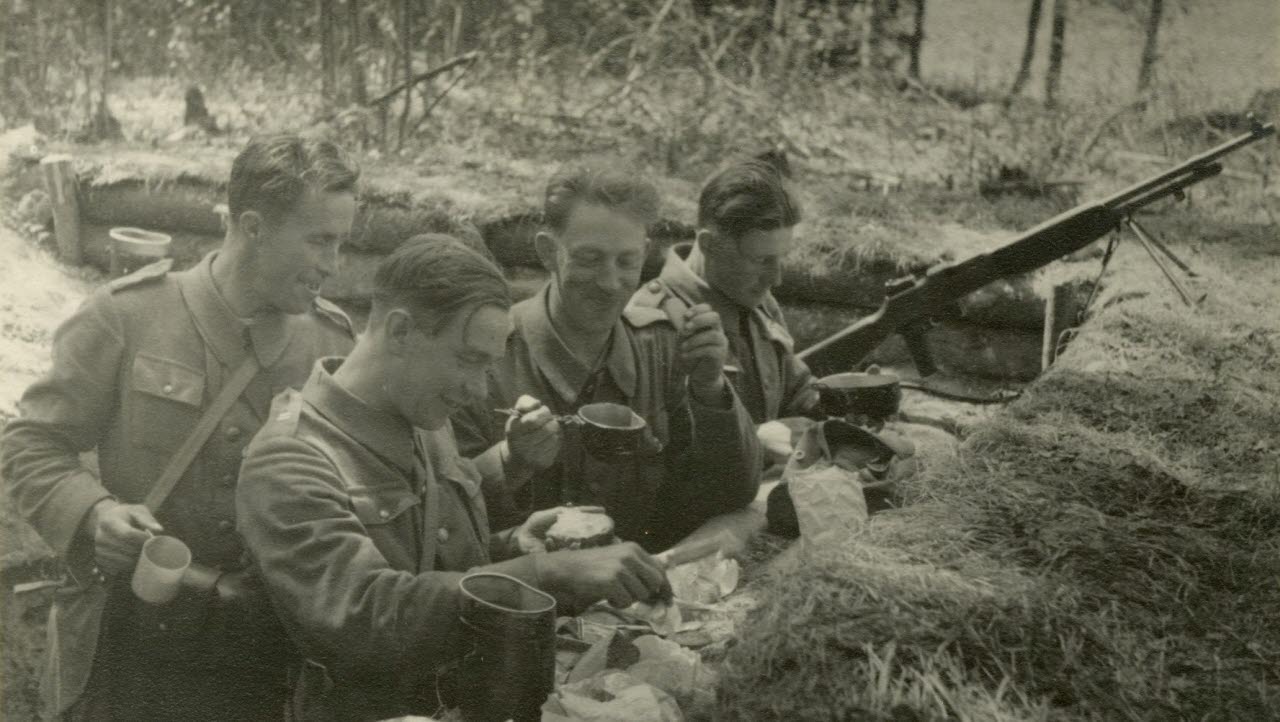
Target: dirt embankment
column 1106, row 548
column 36, row 294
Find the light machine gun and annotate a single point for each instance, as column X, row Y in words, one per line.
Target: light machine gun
column 912, row 302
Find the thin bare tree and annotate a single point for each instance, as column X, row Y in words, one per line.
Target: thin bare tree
column 916, row 41
column 1028, row 49
column 406, row 54
column 1057, row 47
column 1146, row 69
column 355, row 54
column 328, row 66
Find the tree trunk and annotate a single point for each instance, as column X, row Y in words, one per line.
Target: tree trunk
column 917, row 41
column 1056, row 49
column 355, row 54
column 328, row 69
column 1149, row 54
column 102, row 124
column 1029, row 49
column 406, row 57
column 5, row 24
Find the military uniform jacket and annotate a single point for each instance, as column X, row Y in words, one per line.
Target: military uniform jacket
column 132, row 371
column 362, row 527
column 765, row 370
column 711, row 458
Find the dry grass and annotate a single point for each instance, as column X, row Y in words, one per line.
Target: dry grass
column 1107, row 548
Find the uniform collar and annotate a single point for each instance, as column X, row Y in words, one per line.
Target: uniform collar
column 387, row 434
column 683, row 273
column 267, row 334
column 561, row 368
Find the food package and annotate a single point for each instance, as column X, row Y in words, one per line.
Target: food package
column 673, row 669
column 577, row 529
column 824, row 480
column 705, row 581
column 610, row 696
column 663, row 618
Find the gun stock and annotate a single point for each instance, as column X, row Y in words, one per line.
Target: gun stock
column 944, row 283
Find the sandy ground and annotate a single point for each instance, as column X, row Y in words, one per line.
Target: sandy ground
column 36, row 294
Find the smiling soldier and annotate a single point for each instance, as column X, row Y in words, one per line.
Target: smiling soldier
column 573, row 344
column 167, row 375
column 363, row 517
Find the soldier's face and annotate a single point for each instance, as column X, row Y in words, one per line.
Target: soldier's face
column 446, row 369
column 747, row 270
column 295, row 253
column 599, row 255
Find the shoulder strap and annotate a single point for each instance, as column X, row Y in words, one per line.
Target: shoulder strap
column 182, row 459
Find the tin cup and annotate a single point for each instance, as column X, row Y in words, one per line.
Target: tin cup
column 157, row 578
column 133, row 248
column 875, row 395
column 613, row 431
column 512, row 665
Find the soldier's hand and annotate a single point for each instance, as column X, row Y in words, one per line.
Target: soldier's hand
column 119, row 531
column 533, row 437
column 532, row 534
column 807, row 399
column 621, row 574
column 703, row 350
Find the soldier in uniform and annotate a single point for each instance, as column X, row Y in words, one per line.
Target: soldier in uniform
column 134, row 371
column 746, row 217
column 573, row 344
column 362, row 516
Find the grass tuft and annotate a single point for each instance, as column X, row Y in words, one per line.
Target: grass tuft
column 1108, row 547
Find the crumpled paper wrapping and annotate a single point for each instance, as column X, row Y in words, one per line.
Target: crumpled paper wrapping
column 830, row 504
column 705, row 581
column 675, row 670
column 610, row 697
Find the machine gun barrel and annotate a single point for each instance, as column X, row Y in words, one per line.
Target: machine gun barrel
column 1142, row 190
column 908, row 308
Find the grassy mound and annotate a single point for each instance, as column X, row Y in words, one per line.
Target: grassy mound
column 1109, row 547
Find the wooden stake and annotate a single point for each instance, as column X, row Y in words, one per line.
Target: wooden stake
column 1061, row 314
column 60, row 183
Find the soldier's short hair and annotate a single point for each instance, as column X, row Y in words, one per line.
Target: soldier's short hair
column 749, row 195
column 437, row 276
column 607, row 183
column 274, row 172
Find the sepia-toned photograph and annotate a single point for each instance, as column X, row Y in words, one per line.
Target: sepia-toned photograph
column 639, row 360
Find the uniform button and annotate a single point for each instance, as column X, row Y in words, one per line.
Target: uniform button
column 233, row 432
column 168, row 388
column 443, row 535
column 384, row 513
column 228, row 479
column 654, row 286
column 226, row 525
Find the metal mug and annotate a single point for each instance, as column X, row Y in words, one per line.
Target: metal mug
column 872, row 394
column 609, row 431
column 157, row 577
column 613, row 431
column 133, row 248
column 512, row 666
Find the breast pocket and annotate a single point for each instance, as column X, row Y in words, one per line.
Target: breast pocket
column 387, row 513
column 166, row 401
